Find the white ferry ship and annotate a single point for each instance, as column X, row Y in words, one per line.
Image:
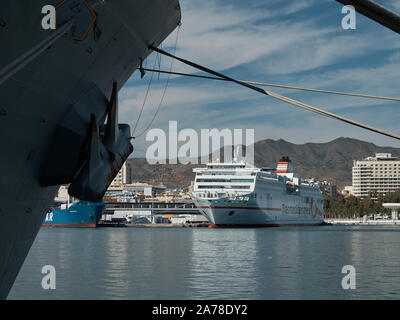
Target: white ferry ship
column 236, row 194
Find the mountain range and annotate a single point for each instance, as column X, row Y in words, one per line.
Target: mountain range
column 331, row 161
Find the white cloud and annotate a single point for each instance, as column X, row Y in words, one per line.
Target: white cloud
column 314, row 53
column 273, row 45
column 223, row 36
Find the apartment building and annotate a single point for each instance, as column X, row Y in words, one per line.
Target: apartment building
column 379, row 174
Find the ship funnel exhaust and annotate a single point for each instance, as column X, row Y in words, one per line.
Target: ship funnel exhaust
column 284, row 165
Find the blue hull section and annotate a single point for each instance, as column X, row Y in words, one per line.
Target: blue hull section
column 79, row 214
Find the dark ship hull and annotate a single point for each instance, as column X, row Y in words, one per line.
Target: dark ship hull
column 69, row 84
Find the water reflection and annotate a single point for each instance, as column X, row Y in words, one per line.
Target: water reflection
column 223, row 264
column 186, row 263
column 146, row 263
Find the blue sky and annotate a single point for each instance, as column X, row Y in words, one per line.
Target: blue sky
column 299, row 43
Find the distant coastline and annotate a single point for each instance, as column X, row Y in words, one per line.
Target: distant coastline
column 331, row 161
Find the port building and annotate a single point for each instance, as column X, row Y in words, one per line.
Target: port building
column 123, row 177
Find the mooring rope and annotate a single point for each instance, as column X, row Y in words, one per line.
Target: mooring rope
column 277, row 96
column 280, row 86
column 165, row 89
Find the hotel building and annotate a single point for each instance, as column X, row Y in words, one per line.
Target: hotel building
column 380, row 174
column 123, row 177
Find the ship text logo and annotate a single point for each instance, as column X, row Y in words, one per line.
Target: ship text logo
column 49, row 216
column 295, row 210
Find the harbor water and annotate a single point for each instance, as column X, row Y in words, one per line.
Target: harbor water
column 203, row 263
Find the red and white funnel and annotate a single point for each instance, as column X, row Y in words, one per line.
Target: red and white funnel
column 284, row 166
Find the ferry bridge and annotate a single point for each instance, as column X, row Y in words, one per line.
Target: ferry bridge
column 171, row 208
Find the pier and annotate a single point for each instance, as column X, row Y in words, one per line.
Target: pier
column 152, row 214
column 362, row 222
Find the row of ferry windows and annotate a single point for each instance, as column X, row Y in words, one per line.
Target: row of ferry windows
column 224, row 174
column 224, row 180
column 222, row 187
column 225, row 167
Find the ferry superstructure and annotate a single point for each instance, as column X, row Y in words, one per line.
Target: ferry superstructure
column 238, row 195
column 59, row 105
